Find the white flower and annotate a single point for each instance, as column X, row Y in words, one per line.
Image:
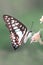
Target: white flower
column 35, row 37
column 41, row 20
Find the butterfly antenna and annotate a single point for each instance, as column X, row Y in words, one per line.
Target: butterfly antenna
column 31, row 26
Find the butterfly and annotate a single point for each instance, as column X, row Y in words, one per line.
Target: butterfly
column 18, row 31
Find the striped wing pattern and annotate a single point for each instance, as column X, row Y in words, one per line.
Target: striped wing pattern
column 17, row 30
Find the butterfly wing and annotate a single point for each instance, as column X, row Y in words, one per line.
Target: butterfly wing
column 17, row 30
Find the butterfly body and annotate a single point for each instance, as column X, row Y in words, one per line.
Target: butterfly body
column 18, row 31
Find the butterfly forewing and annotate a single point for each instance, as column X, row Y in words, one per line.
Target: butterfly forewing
column 17, row 30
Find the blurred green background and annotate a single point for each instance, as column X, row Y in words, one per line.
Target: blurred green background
column 26, row 11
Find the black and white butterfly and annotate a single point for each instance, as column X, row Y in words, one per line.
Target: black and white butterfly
column 18, row 31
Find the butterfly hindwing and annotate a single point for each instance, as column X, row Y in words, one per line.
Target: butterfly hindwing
column 17, row 30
